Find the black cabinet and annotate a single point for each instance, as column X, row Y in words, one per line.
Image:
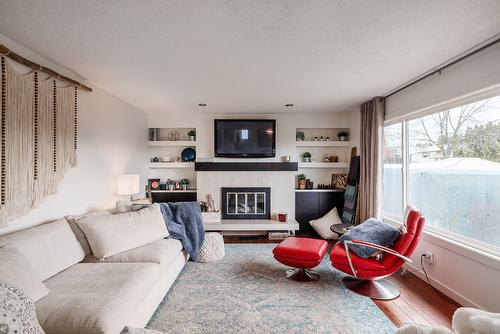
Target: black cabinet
column 174, row 196
column 311, row 204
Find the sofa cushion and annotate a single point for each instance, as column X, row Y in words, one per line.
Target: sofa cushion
column 161, row 252
column 110, row 235
column 16, row 271
column 95, row 297
column 48, row 248
column 80, row 236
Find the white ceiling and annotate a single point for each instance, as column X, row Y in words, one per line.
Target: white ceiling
column 249, row 55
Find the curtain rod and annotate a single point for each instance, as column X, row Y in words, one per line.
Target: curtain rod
column 6, row 52
column 439, row 69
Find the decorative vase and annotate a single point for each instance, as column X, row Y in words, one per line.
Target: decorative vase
column 171, row 186
column 184, row 186
column 343, row 138
column 302, row 184
column 192, row 138
column 306, row 159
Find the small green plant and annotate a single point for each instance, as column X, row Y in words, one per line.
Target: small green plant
column 306, row 155
column 301, row 177
column 184, row 181
column 192, row 133
column 342, row 133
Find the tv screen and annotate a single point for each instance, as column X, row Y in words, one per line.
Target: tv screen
column 245, row 138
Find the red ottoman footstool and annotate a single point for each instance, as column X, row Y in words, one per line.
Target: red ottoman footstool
column 303, row 254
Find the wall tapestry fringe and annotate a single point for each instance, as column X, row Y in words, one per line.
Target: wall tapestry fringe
column 38, row 139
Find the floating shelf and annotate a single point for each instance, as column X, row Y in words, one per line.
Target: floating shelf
column 173, row 191
column 317, row 143
column 171, row 165
column 246, row 166
column 331, row 165
column 319, row 190
column 172, row 143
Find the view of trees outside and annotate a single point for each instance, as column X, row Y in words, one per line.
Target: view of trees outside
column 454, row 169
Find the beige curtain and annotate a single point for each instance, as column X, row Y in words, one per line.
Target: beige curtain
column 370, row 185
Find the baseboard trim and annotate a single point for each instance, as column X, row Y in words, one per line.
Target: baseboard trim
column 455, row 296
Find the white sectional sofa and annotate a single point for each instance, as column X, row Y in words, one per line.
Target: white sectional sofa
column 90, row 295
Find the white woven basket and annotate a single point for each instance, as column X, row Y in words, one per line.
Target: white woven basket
column 213, row 248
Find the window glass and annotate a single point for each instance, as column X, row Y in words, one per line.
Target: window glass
column 454, row 169
column 393, row 173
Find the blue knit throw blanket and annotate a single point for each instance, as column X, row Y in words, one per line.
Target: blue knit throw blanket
column 185, row 224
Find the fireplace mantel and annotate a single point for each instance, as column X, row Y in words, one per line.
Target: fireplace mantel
column 246, row 166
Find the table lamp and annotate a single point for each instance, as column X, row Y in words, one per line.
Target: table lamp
column 128, row 185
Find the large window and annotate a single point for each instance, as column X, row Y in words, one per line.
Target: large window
column 453, row 170
column 393, row 171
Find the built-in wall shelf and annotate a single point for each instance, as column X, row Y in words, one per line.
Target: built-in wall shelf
column 325, row 143
column 331, row 165
column 319, row 190
column 165, row 165
column 172, row 143
column 173, row 191
column 246, row 166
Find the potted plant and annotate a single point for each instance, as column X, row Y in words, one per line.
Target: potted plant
column 343, row 135
column 184, row 183
column 192, row 135
column 170, row 184
column 306, row 157
column 302, row 181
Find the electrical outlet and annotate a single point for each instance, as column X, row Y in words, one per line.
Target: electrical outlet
column 428, row 257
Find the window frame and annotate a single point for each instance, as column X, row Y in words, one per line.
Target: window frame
column 457, row 102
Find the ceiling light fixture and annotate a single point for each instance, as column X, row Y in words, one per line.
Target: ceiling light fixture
column 289, row 105
column 202, row 104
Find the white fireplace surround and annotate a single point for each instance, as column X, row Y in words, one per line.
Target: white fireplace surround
column 282, row 187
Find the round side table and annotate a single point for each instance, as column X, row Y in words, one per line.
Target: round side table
column 341, row 229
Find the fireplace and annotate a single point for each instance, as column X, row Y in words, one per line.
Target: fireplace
column 246, row 202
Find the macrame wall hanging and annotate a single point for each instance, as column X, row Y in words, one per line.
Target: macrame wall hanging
column 38, row 125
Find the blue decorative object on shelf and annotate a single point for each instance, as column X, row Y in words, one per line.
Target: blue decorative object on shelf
column 188, row 154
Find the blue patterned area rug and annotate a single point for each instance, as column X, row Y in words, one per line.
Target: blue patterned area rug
column 247, row 292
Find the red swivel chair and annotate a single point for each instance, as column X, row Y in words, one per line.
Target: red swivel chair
column 366, row 275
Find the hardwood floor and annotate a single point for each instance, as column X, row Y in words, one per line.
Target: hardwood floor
column 418, row 303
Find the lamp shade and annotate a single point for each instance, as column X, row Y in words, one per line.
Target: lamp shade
column 128, row 184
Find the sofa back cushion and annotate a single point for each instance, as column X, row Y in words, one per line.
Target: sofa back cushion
column 80, row 236
column 16, row 271
column 110, row 235
column 48, row 248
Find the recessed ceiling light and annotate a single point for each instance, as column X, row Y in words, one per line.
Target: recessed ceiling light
column 202, row 104
column 289, row 105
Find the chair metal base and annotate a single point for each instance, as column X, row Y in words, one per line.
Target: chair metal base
column 381, row 289
column 302, row 275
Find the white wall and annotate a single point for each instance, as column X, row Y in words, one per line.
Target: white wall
column 112, row 141
column 467, row 275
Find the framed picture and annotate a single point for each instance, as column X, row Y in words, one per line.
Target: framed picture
column 339, row 181
column 154, row 184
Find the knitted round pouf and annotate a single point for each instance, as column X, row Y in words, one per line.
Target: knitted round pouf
column 213, row 248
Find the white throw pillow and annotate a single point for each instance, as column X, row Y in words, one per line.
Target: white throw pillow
column 322, row 225
column 110, row 235
column 80, row 236
column 409, row 208
column 16, row 271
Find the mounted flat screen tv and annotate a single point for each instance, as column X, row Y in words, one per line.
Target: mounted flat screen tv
column 245, row 138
